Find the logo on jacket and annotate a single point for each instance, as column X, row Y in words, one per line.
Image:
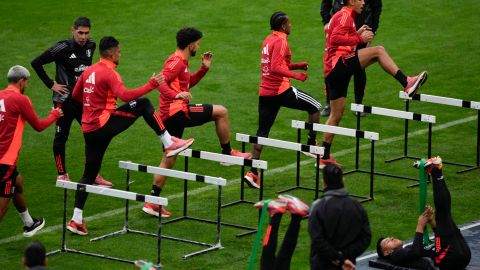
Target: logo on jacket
column 88, row 90
column 81, row 68
column 73, row 56
column 89, row 53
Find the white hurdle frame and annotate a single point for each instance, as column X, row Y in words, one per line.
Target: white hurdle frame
column 111, row 193
column 316, row 150
column 407, row 116
column 220, row 182
column 221, row 158
column 357, row 134
column 475, row 105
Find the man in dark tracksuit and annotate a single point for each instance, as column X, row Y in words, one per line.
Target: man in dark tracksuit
column 451, row 250
column 371, row 17
column 338, row 225
column 71, row 57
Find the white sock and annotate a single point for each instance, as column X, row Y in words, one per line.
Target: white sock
column 77, row 215
column 27, row 219
column 166, row 139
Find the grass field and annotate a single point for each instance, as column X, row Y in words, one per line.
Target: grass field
column 435, row 35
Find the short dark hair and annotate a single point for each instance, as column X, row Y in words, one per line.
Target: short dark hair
column 34, row 254
column 107, row 43
column 277, row 20
column 81, row 21
column 187, row 35
column 333, row 177
column 379, row 248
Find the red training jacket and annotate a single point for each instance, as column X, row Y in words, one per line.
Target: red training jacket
column 276, row 66
column 98, row 88
column 341, row 39
column 15, row 108
column 177, row 79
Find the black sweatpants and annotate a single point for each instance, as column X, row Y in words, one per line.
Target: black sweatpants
column 452, row 251
column 72, row 110
column 96, row 142
column 268, row 260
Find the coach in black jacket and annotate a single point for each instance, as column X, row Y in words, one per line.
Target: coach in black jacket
column 370, row 16
column 71, row 58
column 338, row 225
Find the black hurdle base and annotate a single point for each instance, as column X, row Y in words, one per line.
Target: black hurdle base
column 317, row 174
column 469, row 167
column 126, row 229
column 405, row 154
column 64, row 249
column 242, row 200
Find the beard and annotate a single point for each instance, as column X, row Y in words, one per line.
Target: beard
column 193, row 53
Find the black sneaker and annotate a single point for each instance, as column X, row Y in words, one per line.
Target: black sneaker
column 325, row 111
column 29, row 231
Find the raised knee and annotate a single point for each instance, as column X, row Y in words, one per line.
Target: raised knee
column 380, row 49
column 220, row 111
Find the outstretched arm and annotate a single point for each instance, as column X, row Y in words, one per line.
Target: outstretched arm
column 128, row 95
column 28, row 113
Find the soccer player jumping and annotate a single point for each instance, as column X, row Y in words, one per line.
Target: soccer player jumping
column 276, row 90
column 178, row 114
column 98, row 88
column 342, row 60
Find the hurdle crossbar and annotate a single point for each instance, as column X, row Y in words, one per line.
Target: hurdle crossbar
column 127, row 195
column 226, row 160
column 298, row 147
column 407, row 116
column 186, row 176
column 357, row 134
column 475, row 105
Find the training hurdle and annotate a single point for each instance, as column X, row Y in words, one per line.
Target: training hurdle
column 449, row 102
column 357, row 134
column 407, row 116
column 221, row 158
column 111, row 193
column 130, row 166
column 316, row 150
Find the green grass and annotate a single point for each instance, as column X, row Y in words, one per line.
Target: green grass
column 436, row 35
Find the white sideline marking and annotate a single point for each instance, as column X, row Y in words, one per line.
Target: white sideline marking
column 236, row 181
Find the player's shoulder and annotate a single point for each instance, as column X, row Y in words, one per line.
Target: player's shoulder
column 60, row 46
column 174, row 61
column 90, row 44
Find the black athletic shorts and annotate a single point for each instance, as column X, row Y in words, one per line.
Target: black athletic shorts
column 337, row 81
column 8, row 180
column 198, row 114
column 293, row 98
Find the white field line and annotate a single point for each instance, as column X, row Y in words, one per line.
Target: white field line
column 267, row 172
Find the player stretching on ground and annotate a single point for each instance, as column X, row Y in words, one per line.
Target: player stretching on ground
column 15, row 108
column 451, row 250
column 71, row 57
column 275, row 89
column 342, row 60
column 98, row 88
column 176, row 111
